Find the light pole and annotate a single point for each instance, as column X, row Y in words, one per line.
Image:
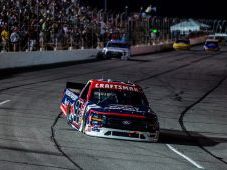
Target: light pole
column 214, row 25
column 99, row 14
column 19, row 7
column 223, row 25
column 126, row 11
column 121, row 18
column 141, row 11
column 105, row 5
column 105, row 10
column 218, row 25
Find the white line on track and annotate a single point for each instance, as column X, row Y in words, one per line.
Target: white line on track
column 184, row 156
column 6, row 101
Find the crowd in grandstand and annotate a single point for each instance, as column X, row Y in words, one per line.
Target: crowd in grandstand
column 65, row 24
column 34, row 24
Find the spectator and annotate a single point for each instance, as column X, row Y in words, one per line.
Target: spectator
column 41, row 40
column 14, row 39
column 59, row 22
column 5, row 38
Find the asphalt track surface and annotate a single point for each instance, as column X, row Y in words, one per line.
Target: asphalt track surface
column 187, row 90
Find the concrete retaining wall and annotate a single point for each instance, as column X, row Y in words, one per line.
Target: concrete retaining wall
column 198, row 40
column 34, row 58
column 146, row 49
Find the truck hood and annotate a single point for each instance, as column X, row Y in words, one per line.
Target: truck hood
column 116, row 49
column 124, row 109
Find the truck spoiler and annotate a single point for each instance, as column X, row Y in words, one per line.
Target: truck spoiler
column 75, row 87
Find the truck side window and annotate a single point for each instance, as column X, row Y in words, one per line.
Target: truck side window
column 77, row 106
column 85, row 92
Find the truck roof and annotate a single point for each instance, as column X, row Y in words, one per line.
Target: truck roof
column 118, row 41
column 115, row 85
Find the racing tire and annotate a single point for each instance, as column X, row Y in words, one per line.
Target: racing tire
column 107, row 56
column 99, row 56
column 61, row 115
column 84, row 125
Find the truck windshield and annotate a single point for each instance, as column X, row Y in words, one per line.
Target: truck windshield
column 183, row 41
column 117, row 45
column 108, row 96
column 211, row 43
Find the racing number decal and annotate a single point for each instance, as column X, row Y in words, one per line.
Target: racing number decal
column 78, row 111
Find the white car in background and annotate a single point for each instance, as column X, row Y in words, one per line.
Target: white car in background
column 115, row 49
column 211, row 45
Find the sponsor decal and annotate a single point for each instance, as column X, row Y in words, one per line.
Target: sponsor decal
column 95, row 129
column 71, row 95
column 125, row 108
column 88, row 129
column 126, row 122
column 116, row 87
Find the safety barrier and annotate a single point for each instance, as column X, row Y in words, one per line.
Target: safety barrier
column 198, row 40
column 147, row 49
column 35, row 58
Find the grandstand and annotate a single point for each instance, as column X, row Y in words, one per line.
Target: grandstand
column 28, row 25
column 119, row 5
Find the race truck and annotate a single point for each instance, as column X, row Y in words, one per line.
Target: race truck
column 115, row 49
column 111, row 109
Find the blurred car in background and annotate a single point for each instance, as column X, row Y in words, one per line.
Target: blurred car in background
column 221, row 37
column 182, row 44
column 115, row 49
column 211, row 45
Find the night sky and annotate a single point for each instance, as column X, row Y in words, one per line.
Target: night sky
column 192, row 8
column 171, row 8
